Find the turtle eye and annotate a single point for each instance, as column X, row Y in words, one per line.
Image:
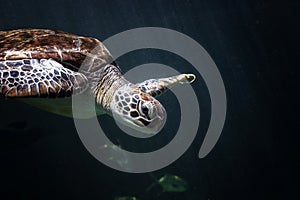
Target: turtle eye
column 145, row 110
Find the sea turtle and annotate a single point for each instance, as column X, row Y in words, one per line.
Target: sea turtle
column 46, row 63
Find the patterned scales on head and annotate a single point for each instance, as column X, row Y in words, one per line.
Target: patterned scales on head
column 47, row 64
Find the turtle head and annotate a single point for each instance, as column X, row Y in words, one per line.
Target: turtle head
column 138, row 110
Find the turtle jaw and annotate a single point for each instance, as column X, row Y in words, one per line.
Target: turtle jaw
column 154, row 126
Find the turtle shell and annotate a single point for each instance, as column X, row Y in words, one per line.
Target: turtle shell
column 37, row 62
column 66, row 48
column 45, row 63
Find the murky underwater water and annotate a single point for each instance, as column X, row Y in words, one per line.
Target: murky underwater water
column 42, row 156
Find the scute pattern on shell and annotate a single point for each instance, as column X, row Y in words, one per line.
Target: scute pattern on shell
column 66, row 48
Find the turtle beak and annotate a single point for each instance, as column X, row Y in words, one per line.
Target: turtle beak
column 155, row 125
column 159, row 121
column 131, row 112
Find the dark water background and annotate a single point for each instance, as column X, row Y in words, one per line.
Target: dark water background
column 253, row 44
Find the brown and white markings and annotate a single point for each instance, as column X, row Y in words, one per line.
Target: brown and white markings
column 44, row 63
column 47, row 63
column 32, row 77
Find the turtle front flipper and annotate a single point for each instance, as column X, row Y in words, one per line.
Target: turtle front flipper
column 156, row 87
column 39, row 78
column 30, row 78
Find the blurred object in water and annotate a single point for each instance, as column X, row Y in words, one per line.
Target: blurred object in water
column 18, row 134
column 126, row 198
column 170, row 183
column 17, row 125
column 116, row 155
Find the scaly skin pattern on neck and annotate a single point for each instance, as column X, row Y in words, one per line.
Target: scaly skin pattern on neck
column 109, row 80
